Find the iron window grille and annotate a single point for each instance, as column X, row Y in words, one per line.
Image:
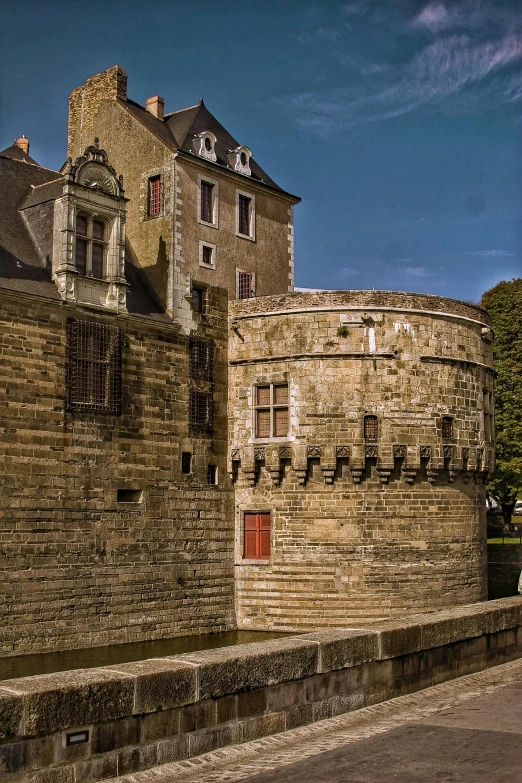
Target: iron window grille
column 201, row 411
column 245, row 288
column 154, row 206
column 447, row 427
column 201, row 354
column 256, row 532
column 207, row 194
column 271, row 411
column 94, row 353
column 90, row 247
column 244, row 214
column 371, row 427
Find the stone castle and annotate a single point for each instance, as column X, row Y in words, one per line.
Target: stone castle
column 188, row 444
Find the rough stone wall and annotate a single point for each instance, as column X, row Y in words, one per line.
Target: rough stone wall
column 361, row 529
column 78, row 568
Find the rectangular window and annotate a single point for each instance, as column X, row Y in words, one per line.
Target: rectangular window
column 271, row 411
column 207, row 194
column 371, row 427
column 198, row 299
column 244, row 205
column 447, row 427
column 201, row 355
column 154, row 196
column 245, row 285
column 206, row 255
column 97, row 260
column 80, row 257
column 257, row 535
column 93, row 367
column 211, row 475
column 201, row 410
column 186, row 462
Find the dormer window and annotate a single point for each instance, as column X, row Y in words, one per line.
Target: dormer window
column 239, row 160
column 90, row 246
column 205, row 145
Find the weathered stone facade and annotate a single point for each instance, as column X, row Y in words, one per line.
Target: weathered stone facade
column 360, row 528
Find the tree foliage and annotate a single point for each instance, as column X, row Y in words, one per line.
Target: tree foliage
column 504, row 305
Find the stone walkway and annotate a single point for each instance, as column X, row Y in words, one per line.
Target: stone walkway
column 464, row 731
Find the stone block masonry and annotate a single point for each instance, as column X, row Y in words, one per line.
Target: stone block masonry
column 92, row 724
column 103, row 539
column 364, row 525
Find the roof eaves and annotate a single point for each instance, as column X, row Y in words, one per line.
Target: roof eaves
column 192, row 155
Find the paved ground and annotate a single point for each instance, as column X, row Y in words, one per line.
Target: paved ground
column 465, row 731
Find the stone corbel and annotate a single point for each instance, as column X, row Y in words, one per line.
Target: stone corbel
column 248, row 465
column 300, row 464
column 328, row 464
column 356, row 469
column 273, row 464
column 411, row 464
column 235, row 457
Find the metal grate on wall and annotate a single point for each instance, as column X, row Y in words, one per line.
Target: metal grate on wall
column 201, row 411
column 201, row 354
column 371, row 427
column 93, row 367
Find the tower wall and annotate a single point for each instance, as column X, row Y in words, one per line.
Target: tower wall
column 360, row 529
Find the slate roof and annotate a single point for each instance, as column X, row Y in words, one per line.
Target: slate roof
column 16, row 153
column 23, row 184
column 178, row 129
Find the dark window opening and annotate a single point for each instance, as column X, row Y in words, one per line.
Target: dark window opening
column 211, row 475
column 371, row 427
column 447, row 427
column 201, row 358
column 198, row 299
column 94, row 367
column 244, row 215
column 245, row 287
column 129, row 495
column 207, row 255
column 81, row 256
column 154, row 206
column 90, row 246
column 208, row 144
column 257, row 535
column 186, row 462
column 201, row 410
column 206, row 202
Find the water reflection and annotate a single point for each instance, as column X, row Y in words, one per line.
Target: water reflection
column 45, row 663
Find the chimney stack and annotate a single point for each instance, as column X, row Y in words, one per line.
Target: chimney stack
column 23, row 143
column 155, row 105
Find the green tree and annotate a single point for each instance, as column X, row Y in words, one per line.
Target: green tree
column 504, row 305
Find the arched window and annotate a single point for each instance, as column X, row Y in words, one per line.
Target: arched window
column 90, row 246
column 371, row 427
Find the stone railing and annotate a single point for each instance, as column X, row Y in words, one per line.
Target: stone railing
column 92, row 724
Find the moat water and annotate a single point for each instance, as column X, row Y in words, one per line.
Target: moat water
column 46, row 663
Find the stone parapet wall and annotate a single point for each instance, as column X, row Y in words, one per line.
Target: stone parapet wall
column 136, row 715
column 361, row 528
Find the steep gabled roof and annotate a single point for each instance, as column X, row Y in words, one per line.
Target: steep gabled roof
column 16, row 153
column 178, row 130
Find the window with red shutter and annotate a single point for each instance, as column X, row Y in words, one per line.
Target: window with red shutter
column 245, row 288
column 257, row 535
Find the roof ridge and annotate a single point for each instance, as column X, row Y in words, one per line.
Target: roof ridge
column 195, row 106
column 49, row 181
column 28, row 163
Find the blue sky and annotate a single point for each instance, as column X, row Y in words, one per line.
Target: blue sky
column 398, row 122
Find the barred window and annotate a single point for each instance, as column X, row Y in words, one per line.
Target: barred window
column 94, row 367
column 245, row 285
column 201, row 358
column 371, row 427
column 447, row 427
column 154, row 196
column 207, row 197
column 201, row 410
column 271, row 411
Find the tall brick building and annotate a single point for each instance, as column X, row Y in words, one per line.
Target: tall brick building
column 146, row 287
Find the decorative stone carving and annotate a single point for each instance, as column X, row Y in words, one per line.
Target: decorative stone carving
column 448, row 452
column 313, row 452
column 465, row 455
column 342, row 451
column 259, row 453
column 371, row 451
column 285, row 452
column 235, row 454
column 399, row 452
column 425, row 452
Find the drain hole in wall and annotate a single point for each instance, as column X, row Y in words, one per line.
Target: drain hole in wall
column 129, row 495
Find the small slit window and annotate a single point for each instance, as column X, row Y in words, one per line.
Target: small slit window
column 186, row 462
column 211, row 475
column 447, row 427
column 371, row 427
column 257, row 529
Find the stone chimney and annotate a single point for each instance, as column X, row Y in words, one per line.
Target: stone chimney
column 23, row 143
column 155, row 106
column 86, row 101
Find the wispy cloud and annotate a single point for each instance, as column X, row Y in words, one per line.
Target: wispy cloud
column 471, row 58
column 490, row 253
column 415, row 271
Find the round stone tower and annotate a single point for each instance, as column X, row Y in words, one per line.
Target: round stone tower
column 360, row 440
